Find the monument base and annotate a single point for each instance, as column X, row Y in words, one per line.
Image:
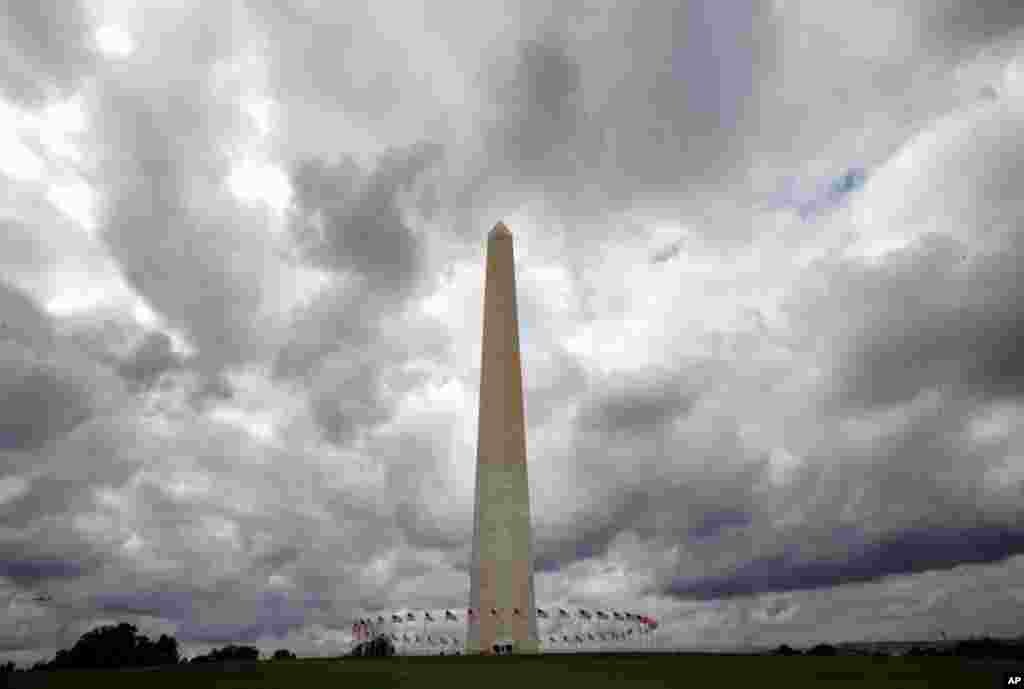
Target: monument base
column 507, row 648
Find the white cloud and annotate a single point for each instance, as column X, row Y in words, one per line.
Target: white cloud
column 261, row 182
column 115, row 41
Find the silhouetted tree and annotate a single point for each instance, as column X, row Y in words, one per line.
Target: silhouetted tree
column 823, row 650
column 786, row 650
column 283, row 654
column 7, row 667
column 119, row 646
column 114, row 646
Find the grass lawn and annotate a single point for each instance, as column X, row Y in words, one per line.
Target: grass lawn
column 538, row 672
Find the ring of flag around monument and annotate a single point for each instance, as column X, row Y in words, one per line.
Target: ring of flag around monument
column 594, row 626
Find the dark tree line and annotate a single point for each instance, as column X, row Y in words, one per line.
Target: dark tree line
column 121, row 646
column 229, row 652
column 115, row 646
column 983, row 648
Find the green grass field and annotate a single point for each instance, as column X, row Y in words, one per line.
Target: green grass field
column 537, row 672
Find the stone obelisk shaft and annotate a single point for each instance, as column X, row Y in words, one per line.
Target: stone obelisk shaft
column 501, row 580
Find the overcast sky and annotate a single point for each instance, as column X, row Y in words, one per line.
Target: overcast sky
column 769, row 265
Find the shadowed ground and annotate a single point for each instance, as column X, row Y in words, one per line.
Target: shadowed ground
column 584, row 671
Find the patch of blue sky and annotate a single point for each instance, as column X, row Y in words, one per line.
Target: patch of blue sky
column 822, row 197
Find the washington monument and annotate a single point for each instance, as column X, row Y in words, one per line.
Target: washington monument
column 501, row 581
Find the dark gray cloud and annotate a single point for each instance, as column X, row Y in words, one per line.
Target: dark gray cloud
column 972, row 24
column 348, row 220
column 927, row 316
column 347, row 396
column 23, row 323
column 541, row 107
column 35, row 571
column 151, row 358
column 164, row 604
column 639, row 405
column 911, row 551
column 40, row 403
column 41, row 397
column 340, row 318
column 713, row 523
column 200, row 259
column 46, row 50
column 667, row 253
column 42, row 497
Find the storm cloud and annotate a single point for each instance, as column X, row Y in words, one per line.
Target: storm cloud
column 768, row 298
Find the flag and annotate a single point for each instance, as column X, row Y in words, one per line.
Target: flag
column 427, row 616
column 449, row 615
column 563, row 612
column 542, row 614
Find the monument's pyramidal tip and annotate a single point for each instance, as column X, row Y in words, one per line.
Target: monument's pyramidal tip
column 500, row 230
